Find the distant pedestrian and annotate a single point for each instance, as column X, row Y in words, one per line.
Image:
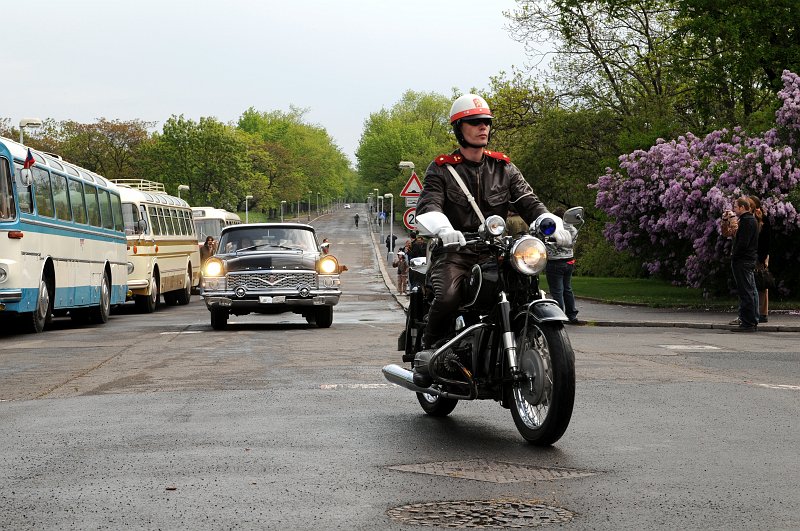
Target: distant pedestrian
column 356, row 218
column 390, row 242
column 402, row 272
column 326, row 246
column 744, row 254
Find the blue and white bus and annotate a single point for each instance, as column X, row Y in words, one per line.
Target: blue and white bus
column 62, row 240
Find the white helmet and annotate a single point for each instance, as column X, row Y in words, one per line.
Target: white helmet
column 469, row 106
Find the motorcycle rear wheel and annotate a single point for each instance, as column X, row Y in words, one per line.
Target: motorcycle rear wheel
column 541, row 405
column 436, row 406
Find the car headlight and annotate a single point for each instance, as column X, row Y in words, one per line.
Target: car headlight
column 214, row 268
column 328, row 266
column 3, row 274
column 528, row 255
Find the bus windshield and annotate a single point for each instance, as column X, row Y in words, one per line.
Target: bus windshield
column 7, row 209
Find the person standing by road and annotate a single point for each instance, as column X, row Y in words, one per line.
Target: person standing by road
column 356, row 219
column 559, row 269
column 743, row 262
column 762, row 262
column 402, row 272
column 390, row 241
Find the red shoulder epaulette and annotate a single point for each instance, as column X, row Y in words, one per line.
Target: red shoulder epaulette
column 441, row 160
column 497, row 155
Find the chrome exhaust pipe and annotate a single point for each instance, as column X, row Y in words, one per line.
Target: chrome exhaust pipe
column 405, row 378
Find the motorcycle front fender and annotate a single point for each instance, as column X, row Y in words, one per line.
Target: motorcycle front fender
column 545, row 310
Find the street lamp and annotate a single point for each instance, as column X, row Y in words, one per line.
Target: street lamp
column 28, row 122
column 317, row 203
column 282, row 203
column 246, row 210
column 309, row 205
column 380, row 215
column 406, row 164
column 182, row 187
column 391, row 224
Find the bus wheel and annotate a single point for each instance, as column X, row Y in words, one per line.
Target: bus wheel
column 185, row 295
column 149, row 303
column 44, row 307
column 101, row 312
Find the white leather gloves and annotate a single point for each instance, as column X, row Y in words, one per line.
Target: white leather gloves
column 437, row 224
column 451, row 237
column 563, row 238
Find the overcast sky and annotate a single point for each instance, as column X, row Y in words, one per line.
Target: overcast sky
column 340, row 59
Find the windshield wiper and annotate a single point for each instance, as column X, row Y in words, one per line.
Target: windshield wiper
column 250, row 248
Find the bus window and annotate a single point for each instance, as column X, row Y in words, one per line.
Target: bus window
column 77, row 201
column 7, row 210
column 23, row 192
column 131, row 217
column 42, row 192
column 105, row 209
column 156, row 222
column 116, row 206
column 61, row 197
column 92, row 205
column 187, row 222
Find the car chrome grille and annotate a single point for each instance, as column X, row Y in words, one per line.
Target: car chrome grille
column 272, row 280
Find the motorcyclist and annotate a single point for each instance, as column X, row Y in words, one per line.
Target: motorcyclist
column 444, row 210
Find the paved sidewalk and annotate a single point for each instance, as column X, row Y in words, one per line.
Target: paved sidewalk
column 593, row 313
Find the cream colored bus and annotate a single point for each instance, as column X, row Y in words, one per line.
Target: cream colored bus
column 163, row 256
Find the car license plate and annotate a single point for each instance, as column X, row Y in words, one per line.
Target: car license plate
column 265, row 300
column 279, row 299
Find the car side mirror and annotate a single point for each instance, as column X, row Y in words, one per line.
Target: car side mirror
column 26, row 177
column 574, row 216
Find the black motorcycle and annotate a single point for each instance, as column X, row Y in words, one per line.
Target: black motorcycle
column 509, row 344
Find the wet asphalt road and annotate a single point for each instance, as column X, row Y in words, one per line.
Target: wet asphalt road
column 157, row 421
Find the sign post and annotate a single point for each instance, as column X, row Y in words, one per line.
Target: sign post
column 411, row 192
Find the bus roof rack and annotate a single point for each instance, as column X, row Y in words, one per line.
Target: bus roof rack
column 141, row 184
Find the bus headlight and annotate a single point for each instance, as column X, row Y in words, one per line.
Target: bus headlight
column 528, row 255
column 130, row 268
column 214, row 268
column 3, row 273
column 328, row 266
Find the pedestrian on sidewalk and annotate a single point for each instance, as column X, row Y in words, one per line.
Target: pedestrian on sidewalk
column 762, row 262
column 743, row 262
column 402, row 272
column 356, row 219
column 390, row 241
column 559, row 269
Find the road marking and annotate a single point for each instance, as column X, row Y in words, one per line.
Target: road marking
column 781, row 387
column 329, row 387
column 182, row 332
column 690, row 347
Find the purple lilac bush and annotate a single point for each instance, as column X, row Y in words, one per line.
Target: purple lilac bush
column 666, row 203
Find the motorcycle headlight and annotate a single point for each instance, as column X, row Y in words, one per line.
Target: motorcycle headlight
column 546, row 224
column 494, row 225
column 214, row 268
column 328, row 266
column 528, row 255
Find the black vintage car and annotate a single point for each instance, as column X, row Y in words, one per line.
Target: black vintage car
column 271, row 268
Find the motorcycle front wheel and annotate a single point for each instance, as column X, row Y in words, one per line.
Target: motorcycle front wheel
column 541, row 403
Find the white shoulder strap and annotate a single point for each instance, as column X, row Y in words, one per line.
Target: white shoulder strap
column 464, row 189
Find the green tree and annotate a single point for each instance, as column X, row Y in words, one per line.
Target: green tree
column 415, row 129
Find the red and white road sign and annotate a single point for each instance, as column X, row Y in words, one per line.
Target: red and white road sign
column 413, row 187
column 410, row 219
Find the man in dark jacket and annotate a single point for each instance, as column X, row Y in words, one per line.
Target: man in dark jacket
column 444, row 210
column 743, row 262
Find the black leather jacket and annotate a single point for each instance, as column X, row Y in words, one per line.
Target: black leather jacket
column 494, row 182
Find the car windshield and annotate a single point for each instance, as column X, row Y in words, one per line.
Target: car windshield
column 265, row 238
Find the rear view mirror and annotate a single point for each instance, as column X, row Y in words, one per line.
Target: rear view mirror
column 25, row 177
column 141, row 226
column 574, row 216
